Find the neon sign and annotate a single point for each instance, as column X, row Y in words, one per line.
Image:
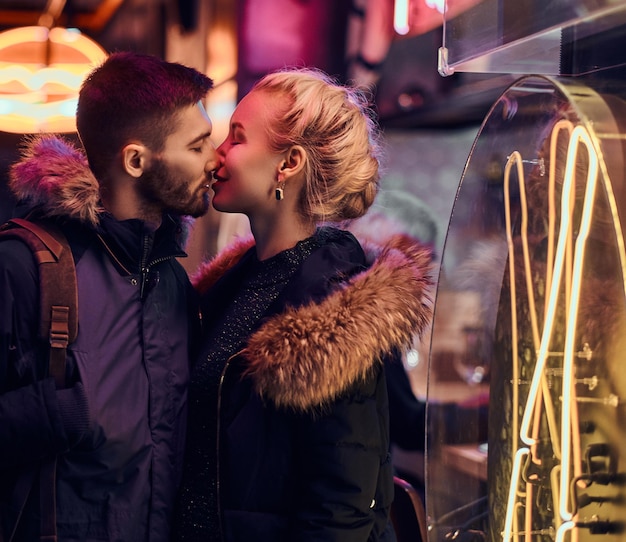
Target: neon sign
column 41, row 71
column 568, row 241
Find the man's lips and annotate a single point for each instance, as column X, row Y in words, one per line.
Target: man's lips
column 211, row 181
column 216, row 181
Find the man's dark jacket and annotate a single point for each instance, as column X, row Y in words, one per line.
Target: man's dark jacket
column 118, row 428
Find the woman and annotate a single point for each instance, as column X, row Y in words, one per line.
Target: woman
column 288, row 436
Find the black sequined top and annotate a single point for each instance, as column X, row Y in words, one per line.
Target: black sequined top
column 197, row 517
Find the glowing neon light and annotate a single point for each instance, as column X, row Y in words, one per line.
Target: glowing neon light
column 510, row 508
column 516, row 158
column 439, row 5
column 35, row 96
column 513, row 296
column 560, row 532
column 559, row 264
column 401, row 17
column 564, row 269
column 558, row 127
column 578, row 135
column 405, row 10
column 554, row 484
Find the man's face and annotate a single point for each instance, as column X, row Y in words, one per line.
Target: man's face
column 177, row 180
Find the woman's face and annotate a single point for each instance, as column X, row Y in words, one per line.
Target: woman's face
column 245, row 180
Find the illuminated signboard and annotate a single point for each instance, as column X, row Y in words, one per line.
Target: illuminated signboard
column 41, row 71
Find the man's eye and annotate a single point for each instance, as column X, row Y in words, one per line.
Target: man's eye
column 200, row 146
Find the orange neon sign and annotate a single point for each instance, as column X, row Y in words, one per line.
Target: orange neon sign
column 41, row 71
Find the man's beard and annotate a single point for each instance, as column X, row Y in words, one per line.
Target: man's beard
column 162, row 189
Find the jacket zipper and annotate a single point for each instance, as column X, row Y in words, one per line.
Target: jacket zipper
column 217, row 437
column 144, row 266
column 145, row 270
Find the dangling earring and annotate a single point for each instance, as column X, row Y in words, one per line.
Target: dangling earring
column 279, row 188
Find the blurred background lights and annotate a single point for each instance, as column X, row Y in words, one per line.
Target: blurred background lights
column 41, row 71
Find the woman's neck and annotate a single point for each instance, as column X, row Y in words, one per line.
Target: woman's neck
column 271, row 241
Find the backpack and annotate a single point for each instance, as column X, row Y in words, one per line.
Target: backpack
column 58, row 324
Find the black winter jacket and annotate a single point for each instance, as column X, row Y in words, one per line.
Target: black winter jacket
column 118, row 429
column 303, row 413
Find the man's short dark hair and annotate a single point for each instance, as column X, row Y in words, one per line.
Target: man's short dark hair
column 133, row 97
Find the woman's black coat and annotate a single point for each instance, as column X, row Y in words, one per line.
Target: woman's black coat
column 303, row 416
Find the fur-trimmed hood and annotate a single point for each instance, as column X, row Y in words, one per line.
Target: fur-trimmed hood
column 306, row 357
column 53, row 175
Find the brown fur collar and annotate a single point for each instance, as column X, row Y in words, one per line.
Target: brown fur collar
column 305, row 358
column 54, row 175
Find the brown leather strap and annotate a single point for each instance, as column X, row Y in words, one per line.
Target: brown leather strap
column 59, row 339
column 57, row 276
column 47, row 500
column 57, row 286
column 59, row 325
column 46, row 236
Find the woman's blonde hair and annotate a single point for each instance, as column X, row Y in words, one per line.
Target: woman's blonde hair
column 336, row 127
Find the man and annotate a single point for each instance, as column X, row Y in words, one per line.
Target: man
column 117, row 428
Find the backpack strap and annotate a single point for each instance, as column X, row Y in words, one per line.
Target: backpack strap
column 58, row 323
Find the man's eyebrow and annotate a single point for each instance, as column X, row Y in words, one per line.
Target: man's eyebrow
column 202, row 136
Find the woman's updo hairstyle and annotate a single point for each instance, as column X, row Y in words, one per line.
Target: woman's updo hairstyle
column 335, row 126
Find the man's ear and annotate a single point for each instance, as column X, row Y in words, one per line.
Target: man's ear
column 135, row 159
column 293, row 162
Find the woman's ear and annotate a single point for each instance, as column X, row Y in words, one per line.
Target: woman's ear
column 135, row 159
column 293, row 162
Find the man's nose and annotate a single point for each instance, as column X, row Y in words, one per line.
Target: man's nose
column 212, row 162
